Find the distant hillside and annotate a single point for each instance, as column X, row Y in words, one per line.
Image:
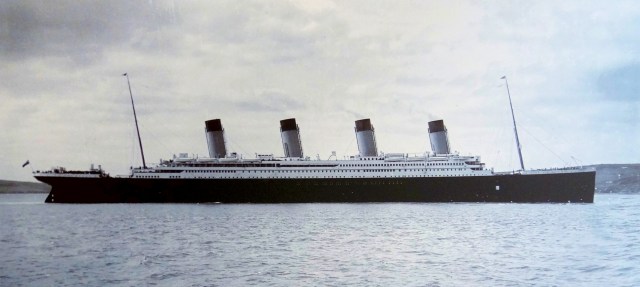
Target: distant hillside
column 617, row 178
column 7, row 186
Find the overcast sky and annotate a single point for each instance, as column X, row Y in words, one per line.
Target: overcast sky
column 573, row 69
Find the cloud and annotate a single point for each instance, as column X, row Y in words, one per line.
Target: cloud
column 81, row 30
column 620, row 83
column 571, row 68
column 270, row 102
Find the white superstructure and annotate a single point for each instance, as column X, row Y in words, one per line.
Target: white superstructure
column 368, row 164
column 385, row 166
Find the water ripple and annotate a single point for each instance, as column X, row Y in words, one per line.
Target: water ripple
column 321, row 244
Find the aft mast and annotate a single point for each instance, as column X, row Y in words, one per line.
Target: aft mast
column 144, row 164
column 515, row 129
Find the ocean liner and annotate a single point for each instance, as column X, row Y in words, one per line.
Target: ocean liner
column 370, row 176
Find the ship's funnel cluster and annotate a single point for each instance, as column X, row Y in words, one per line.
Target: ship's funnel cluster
column 365, row 135
column 438, row 137
column 290, row 134
column 215, row 138
column 292, row 145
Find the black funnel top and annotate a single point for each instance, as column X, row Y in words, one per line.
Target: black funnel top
column 436, row 126
column 363, row 125
column 288, row 125
column 213, row 125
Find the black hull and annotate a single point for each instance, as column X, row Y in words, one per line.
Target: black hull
column 530, row 188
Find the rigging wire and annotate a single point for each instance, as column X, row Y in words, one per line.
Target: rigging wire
column 349, row 145
column 547, row 148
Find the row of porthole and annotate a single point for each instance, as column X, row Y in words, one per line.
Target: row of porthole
column 316, row 171
column 409, row 164
column 338, row 170
column 316, row 177
column 331, row 183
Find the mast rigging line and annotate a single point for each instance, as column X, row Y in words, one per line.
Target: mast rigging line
column 135, row 117
column 515, row 129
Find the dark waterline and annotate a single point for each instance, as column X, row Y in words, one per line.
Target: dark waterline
column 320, row 244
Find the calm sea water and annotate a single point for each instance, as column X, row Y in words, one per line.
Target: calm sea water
column 320, row 244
